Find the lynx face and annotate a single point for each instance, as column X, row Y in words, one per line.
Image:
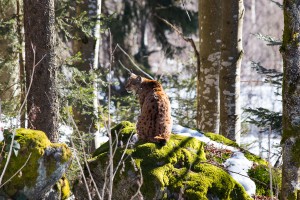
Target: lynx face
column 133, row 84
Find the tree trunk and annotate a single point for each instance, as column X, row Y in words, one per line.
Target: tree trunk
column 21, row 63
column 291, row 101
column 231, row 57
column 95, row 81
column 42, row 104
column 208, row 77
column 85, row 122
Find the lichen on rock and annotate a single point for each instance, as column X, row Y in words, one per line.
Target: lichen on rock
column 46, row 164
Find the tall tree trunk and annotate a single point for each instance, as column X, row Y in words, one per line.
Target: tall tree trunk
column 291, row 101
column 231, row 57
column 95, row 68
column 85, row 122
column 21, row 62
column 208, row 77
column 42, row 104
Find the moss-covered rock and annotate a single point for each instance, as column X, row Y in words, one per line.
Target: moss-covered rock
column 46, row 163
column 221, row 139
column 122, row 131
column 178, row 170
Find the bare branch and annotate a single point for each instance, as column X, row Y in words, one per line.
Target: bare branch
column 134, row 62
column 124, row 66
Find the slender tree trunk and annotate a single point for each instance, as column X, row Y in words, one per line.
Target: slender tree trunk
column 208, row 77
column 21, row 63
column 95, row 68
column 231, row 57
column 42, row 104
column 85, row 46
column 291, row 101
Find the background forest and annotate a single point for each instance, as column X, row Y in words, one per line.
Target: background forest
column 64, row 72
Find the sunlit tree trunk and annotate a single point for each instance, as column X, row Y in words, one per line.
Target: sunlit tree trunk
column 231, row 57
column 42, row 104
column 85, row 46
column 21, row 62
column 208, row 77
column 89, row 48
column 291, row 101
column 95, row 68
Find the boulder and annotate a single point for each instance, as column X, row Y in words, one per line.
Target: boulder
column 37, row 166
column 178, row 170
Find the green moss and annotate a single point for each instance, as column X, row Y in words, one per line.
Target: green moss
column 256, row 159
column 33, row 144
column 65, row 188
column 221, row 139
column 178, row 167
column 123, row 131
column 260, row 175
column 66, row 152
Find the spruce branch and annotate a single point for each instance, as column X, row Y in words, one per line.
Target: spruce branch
column 271, row 41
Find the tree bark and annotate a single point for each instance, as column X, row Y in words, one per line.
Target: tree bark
column 208, row 77
column 21, row 63
column 290, row 51
column 231, row 57
column 42, row 104
column 85, row 46
column 95, row 81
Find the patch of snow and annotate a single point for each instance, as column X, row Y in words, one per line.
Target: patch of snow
column 100, row 137
column 180, row 130
column 238, row 166
column 65, row 133
column 1, row 132
column 296, row 185
column 257, row 143
column 1, row 136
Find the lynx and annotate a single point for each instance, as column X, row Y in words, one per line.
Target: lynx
column 154, row 122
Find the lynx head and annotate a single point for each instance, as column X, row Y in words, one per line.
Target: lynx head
column 133, row 84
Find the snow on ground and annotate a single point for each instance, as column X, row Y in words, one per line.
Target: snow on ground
column 257, row 143
column 1, row 136
column 237, row 166
column 180, row 130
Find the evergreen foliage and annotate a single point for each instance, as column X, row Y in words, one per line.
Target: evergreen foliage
column 262, row 117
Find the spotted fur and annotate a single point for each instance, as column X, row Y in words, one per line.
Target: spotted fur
column 155, row 122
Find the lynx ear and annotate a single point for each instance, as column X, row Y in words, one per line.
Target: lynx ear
column 139, row 79
column 133, row 75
